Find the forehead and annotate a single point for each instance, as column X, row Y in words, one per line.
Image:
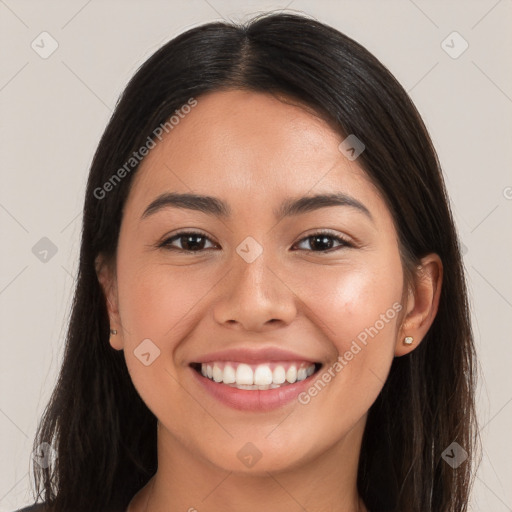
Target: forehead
column 244, row 145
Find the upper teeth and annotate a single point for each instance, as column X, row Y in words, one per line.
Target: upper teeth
column 261, row 376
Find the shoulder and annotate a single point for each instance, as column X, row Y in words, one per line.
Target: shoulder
column 37, row 507
column 42, row 507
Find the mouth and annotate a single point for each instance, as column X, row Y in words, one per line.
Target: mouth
column 253, row 380
column 263, row 376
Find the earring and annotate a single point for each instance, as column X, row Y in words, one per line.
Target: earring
column 408, row 340
column 113, row 332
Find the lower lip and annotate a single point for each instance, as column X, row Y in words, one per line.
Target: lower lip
column 253, row 400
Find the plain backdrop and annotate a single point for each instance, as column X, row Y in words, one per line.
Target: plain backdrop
column 54, row 109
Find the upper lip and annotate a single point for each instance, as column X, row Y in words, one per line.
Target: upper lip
column 245, row 355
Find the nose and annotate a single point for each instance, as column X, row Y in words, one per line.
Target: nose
column 254, row 297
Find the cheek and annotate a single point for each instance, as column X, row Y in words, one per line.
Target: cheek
column 158, row 301
column 350, row 301
column 357, row 309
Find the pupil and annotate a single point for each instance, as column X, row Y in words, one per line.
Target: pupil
column 189, row 242
column 319, row 240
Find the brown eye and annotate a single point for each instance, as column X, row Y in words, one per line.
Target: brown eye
column 188, row 242
column 324, row 242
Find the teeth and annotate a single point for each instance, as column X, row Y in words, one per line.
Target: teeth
column 291, row 374
column 279, row 375
column 262, row 376
column 244, row 375
column 257, row 377
column 229, row 375
column 218, row 374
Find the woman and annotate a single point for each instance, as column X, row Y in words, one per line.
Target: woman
column 270, row 311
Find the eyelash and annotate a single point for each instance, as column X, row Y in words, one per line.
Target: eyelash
column 343, row 242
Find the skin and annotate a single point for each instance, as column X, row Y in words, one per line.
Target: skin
column 253, row 151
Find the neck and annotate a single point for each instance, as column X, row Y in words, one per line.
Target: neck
column 186, row 482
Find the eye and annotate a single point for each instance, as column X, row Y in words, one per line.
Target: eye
column 195, row 241
column 191, row 241
column 323, row 241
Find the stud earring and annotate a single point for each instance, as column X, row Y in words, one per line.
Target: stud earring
column 113, row 332
column 408, row 340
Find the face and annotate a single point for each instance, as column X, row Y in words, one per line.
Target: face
column 253, row 288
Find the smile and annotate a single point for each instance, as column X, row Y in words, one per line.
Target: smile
column 261, row 377
column 256, row 387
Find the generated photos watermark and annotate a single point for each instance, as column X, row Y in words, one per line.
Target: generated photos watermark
column 137, row 156
column 355, row 348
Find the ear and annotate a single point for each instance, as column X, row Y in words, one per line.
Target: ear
column 421, row 304
column 107, row 278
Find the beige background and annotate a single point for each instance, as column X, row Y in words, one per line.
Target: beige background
column 54, row 110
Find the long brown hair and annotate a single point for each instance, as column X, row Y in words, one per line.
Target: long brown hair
column 103, row 433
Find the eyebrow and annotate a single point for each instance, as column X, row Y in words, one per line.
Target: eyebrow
column 218, row 208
